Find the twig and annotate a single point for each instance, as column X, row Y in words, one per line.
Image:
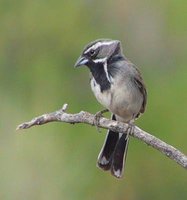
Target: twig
column 87, row 118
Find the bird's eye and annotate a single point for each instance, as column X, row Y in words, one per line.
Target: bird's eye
column 92, row 52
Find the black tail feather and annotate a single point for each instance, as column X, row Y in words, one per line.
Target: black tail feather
column 113, row 153
column 106, row 153
column 119, row 156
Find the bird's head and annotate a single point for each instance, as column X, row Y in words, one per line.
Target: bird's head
column 99, row 51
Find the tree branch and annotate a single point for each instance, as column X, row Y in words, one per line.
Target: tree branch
column 87, row 118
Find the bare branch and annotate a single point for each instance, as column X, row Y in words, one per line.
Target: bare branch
column 87, row 118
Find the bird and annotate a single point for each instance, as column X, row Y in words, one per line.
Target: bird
column 118, row 86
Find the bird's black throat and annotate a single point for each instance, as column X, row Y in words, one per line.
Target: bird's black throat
column 99, row 74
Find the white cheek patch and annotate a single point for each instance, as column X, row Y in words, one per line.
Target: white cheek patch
column 100, row 60
column 104, row 62
column 110, row 79
column 98, row 44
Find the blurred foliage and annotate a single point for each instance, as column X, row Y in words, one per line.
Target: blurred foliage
column 39, row 44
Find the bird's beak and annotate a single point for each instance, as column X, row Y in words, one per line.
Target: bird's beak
column 81, row 61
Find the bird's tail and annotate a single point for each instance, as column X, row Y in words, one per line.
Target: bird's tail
column 113, row 153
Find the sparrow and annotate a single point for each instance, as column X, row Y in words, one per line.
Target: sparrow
column 117, row 85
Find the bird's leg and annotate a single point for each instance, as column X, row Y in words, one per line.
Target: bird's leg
column 130, row 128
column 97, row 117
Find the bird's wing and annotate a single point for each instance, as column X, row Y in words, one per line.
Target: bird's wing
column 141, row 86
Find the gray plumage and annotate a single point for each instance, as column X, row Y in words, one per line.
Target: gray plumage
column 117, row 84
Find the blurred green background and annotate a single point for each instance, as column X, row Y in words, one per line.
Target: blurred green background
column 39, row 44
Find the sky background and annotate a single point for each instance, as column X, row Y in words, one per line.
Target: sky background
column 39, row 44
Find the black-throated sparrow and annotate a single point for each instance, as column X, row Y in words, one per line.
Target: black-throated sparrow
column 118, row 86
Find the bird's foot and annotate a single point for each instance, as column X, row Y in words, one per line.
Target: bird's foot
column 97, row 117
column 130, row 128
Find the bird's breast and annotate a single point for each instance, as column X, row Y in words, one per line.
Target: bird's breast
column 103, row 97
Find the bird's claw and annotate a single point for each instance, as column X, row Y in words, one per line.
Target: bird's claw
column 130, row 129
column 97, row 117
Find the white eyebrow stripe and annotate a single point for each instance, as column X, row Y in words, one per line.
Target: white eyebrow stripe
column 98, row 44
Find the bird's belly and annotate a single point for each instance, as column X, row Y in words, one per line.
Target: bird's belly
column 104, row 97
column 125, row 104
